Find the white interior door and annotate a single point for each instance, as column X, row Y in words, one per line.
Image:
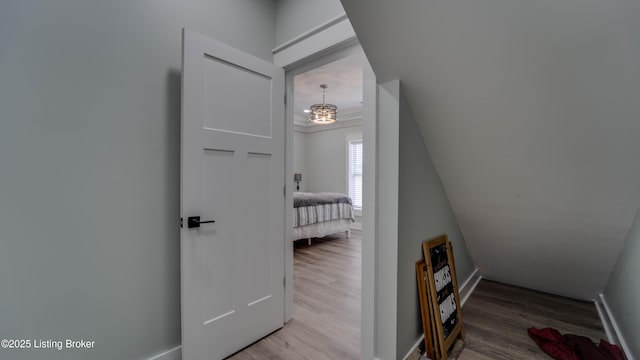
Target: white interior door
column 232, row 172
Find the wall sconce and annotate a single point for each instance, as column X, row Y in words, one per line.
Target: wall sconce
column 297, row 178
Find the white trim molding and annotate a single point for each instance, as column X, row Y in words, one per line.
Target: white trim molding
column 611, row 328
column 414, row 348
column 465, row 291
column 308, row 129
column 329, row 35
column 326, row 43
column 348, row 115
column 310, row 33
column 171, row 354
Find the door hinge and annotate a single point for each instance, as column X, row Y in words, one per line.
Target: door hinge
column 285, row 98
column 284, row 282
column 180, row 223
column 284, row 190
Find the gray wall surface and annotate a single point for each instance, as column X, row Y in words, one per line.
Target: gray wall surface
column 322, row 158
column 326, row 162
column 424, row 212
column 388, row 128
column 89, row 167
column 623, row 290
column 295, row 17
column 300, row 158
column 530, row 113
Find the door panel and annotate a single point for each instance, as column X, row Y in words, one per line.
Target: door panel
column 217, row 243
column 239, row 84
column 258, row 170
column 233, row 173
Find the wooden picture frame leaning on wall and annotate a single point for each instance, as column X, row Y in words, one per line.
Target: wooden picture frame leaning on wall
column 428, row 323
column 442, row 287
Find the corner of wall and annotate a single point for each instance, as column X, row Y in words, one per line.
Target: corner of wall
column 469, row 286
column 611, row 327
column 619, row 300
column 465, row 290
column 424, row 212
column 387, row 192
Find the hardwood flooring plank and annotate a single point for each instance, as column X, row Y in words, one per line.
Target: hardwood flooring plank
column 326, row 305
column 468, row 354
column 497, row 316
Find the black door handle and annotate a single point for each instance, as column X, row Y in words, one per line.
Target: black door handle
column 194, row 222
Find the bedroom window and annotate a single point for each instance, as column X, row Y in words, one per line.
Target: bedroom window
column 355, row 172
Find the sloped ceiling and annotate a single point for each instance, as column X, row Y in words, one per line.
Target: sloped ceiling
column 531, row 113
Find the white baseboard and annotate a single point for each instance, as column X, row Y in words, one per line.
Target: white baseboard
column 611, row 326
column 414, row 348
column 172, row 354
column 465, row 291
column 468, row 286
column 606, row 323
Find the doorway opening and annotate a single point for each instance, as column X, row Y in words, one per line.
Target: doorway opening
column 329, row 159
column 324, row 312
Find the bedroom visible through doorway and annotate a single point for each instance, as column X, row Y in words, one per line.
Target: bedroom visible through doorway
column 329, row 159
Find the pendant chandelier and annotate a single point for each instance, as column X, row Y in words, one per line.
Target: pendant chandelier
column 323, row 113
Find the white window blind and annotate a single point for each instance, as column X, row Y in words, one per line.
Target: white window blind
column 355, row 173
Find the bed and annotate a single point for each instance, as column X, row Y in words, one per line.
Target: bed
column 321, row 214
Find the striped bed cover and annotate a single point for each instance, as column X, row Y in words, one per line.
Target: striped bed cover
column 312, row 208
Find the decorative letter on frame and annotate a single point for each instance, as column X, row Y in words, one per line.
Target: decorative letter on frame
column 443, row 293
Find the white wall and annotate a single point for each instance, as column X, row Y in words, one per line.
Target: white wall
column 89, row 166
column 623, row 290
column 295, row 17
column 424, row 212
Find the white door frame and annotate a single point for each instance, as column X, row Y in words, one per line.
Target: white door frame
column 327, row 42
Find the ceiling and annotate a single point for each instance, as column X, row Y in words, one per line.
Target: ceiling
column 530, row 112
column 344, row 80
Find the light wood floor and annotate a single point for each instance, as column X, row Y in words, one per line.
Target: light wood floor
column 326, row 313
column 326, row 309
column 496, row 318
